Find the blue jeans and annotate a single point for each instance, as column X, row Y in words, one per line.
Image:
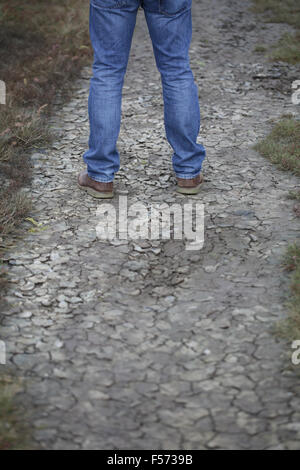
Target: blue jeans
column 112, row 23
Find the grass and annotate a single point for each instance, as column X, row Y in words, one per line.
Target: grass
column 294, row 195
column 287, row 49
column 43, row 46
column 277, row 11
column 290, row 327
column 14, row 435
column 260, row 48
column 282, row 145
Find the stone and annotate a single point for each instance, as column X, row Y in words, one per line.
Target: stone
column 144, row 344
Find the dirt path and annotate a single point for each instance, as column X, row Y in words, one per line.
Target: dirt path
column 147, row 345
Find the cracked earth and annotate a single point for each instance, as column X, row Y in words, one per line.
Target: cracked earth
column 145, row 345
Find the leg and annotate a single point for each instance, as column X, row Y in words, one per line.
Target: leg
column 170, row 27
column 111, row 29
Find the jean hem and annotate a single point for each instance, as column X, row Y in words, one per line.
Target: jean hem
column 187, row 177
column 99, row 179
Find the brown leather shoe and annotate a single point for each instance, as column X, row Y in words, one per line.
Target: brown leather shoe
column 95, row 188
column 189, row 186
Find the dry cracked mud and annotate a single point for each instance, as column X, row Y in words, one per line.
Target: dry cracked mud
column 144, row 344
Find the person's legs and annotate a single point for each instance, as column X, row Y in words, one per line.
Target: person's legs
column 112, row 24
column 170, row 27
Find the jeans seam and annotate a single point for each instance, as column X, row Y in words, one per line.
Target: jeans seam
column 163, row 12
column 119, row 4
column 99, row 179
column 187, row 177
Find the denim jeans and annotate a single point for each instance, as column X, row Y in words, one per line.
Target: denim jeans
column 112, row 24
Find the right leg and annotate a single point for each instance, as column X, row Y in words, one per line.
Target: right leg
column 112, row 24
column 170, row 27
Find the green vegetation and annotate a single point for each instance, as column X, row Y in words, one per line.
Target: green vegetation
column 277, row 11
column 14, row 435
column 287, row 49
column 282, row 145
column 260, row 48
column 43, row 46
column 290, row 327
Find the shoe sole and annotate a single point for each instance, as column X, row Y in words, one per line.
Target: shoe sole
column 189, row 191
column 96, row 194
